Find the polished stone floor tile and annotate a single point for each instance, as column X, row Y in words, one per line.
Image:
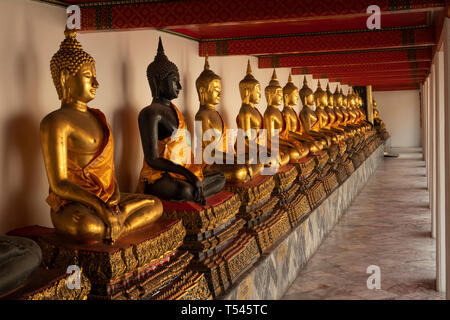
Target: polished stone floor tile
column 388, row 225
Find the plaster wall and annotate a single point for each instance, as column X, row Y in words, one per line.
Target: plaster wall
column 400, row 110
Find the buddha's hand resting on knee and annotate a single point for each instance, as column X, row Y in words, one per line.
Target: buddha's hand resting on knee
column 111, row 216
column 199, row 195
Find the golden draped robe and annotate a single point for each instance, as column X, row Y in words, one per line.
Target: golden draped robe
column 97, row 177
column 176, row 149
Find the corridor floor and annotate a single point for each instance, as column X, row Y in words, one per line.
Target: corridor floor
column 388, row 225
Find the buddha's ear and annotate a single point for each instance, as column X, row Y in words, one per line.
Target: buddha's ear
column 154, row 87
column 63, row 78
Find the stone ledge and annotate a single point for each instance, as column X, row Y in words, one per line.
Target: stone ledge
column 275, row 271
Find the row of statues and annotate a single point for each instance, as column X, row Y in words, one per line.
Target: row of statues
column 86, row 203
column 230, row 213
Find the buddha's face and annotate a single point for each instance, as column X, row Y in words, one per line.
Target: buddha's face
column 255, row 94
column 292, row 98
column 322, row 101
column 83, row 85
column 212, row 95
column 340, row 101
column 274, row 96
column 170, row 87
column 330, row 100
column 310, row 99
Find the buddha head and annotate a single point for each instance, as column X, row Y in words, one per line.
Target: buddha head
column 330, row 96
column 306, row 94
column 344, row 100
column 73, row 71
column 163, row 76
column 274, row 92
column 290, row 93
column 209, row 86
column 250, row 88
column 337, row 97
column 351, row 101
column 320, row 96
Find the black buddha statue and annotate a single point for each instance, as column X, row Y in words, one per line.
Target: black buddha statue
column 169, row 171
column 19, row 258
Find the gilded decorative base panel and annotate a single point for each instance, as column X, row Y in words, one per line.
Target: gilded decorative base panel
column 321, row 159
column 148, row 284
column 308, row 164
column 316, row 194
column 308, row 181
column 188, row 286
column 270, row 230
column 341, row 173
column 297, row 208
column 224, row 267
column 356, row 160
column 196, row 218
column 254, row 190
column 50, row 285
column 114, row 268
column 254, row 216
column 285, row 177
column 349, row 167
column 329, row 182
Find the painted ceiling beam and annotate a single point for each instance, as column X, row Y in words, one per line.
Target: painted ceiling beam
column 282, row 44
column 345, row 58
column 388, row 67
column 407, row 73
column 163, row 14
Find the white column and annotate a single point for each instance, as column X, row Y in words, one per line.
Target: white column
column 440, row 171
column 432, row 131
column 446, row 33
column 425, row 129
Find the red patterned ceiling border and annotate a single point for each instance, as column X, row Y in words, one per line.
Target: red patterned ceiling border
column 381, row 68
column 196, row 12
column 367, row 40
column 345, row 58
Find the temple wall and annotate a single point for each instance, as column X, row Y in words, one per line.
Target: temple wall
column 400, row 110
column 31, row 33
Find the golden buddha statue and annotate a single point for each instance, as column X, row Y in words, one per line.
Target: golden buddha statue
column 342, row 115
column 376, row 115
column 309, row 118
column 78, row 150
column 274, row 120
column 209, row 89
column 334, row 118
column 249, row 118
column 351, row 105
column 321, row 100
column 293, row 124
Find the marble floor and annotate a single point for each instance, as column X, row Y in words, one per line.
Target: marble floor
column 389, row 226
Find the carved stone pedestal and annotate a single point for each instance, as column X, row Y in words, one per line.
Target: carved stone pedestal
column 50, row 285
column 215, row 237
column 258, row 207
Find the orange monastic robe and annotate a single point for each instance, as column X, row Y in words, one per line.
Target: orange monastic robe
column 97, row 177
column 176, row 149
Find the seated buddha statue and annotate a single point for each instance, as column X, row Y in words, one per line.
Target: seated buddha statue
column 376, row 116
column 293, row 124
column 274, row 120
column 209, row 90
column 363, row 118
column 351, row 103
column 333, row 118
column 321, row 100
column 77, row 144
column 249, row 119
column 169, row 171
column 308, row 117
column 341, row 113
